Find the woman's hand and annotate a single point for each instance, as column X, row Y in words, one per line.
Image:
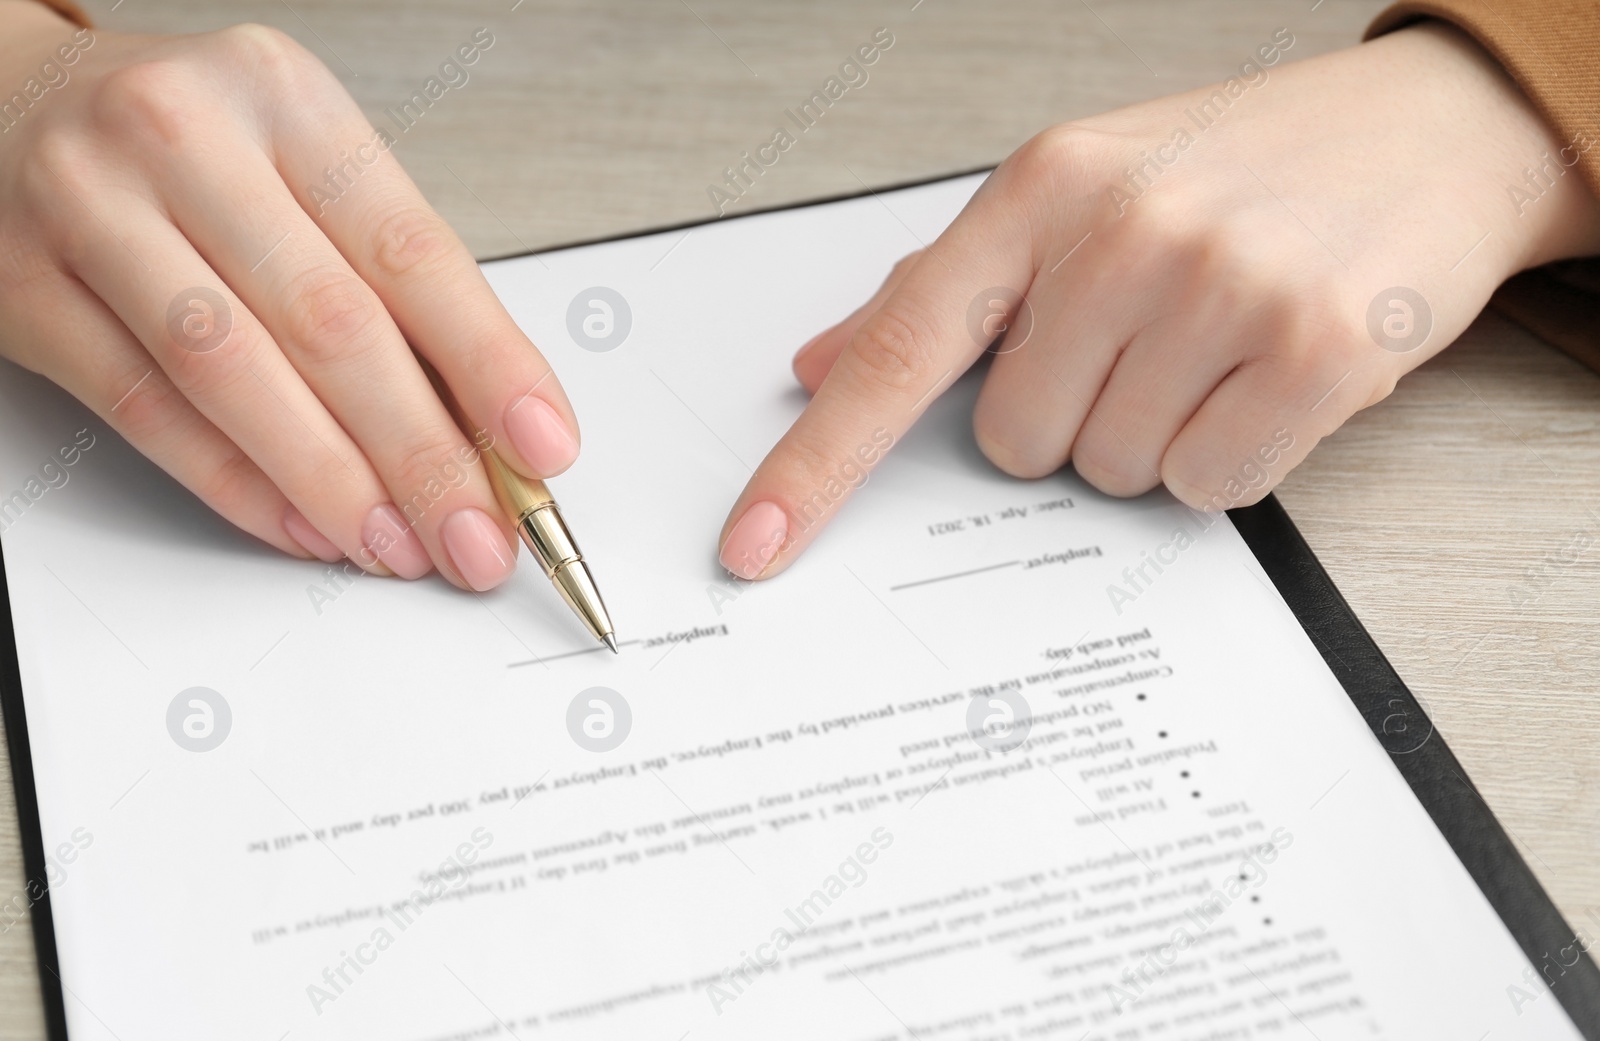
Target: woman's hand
column 1213, row 282
column 172, row 255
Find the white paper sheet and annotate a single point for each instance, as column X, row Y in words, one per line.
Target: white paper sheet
column 399, row 836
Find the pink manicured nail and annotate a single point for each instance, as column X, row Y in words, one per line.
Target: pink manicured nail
column 540, row 436
column 387, row 536
column 755, row 540
column 314, row 542
column 477, row 548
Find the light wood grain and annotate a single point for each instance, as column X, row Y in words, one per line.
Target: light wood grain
column 591, row 119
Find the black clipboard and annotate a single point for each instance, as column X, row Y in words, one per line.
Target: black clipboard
column 1435, row 775
column 1392, row 712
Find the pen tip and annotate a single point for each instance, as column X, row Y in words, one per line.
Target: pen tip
column 611, row 641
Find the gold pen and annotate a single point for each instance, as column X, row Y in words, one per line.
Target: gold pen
column 538, row 519
column 546, row 535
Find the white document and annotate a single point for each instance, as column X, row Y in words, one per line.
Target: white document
column 285, row 803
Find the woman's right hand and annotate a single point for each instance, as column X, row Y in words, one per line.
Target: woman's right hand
column 165, row 260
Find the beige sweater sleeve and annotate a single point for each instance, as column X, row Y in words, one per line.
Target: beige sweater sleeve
column 1552, row 49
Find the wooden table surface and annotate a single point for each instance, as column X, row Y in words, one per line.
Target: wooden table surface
column 1447, row 514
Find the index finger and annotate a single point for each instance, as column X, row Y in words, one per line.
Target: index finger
column 897, row 362
column 427, row 279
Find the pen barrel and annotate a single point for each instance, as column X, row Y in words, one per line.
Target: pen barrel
column 540, row 524
column 546, row 535
column 519, row 495
column 539, row 521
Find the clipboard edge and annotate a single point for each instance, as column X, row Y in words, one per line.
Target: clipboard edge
column 25, row 796
column 1430, row 768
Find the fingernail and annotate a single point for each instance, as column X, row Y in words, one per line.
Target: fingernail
column 477, row 549
column 755, row 540
column 540, row 436
column 387, row 537
column 314, row 542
